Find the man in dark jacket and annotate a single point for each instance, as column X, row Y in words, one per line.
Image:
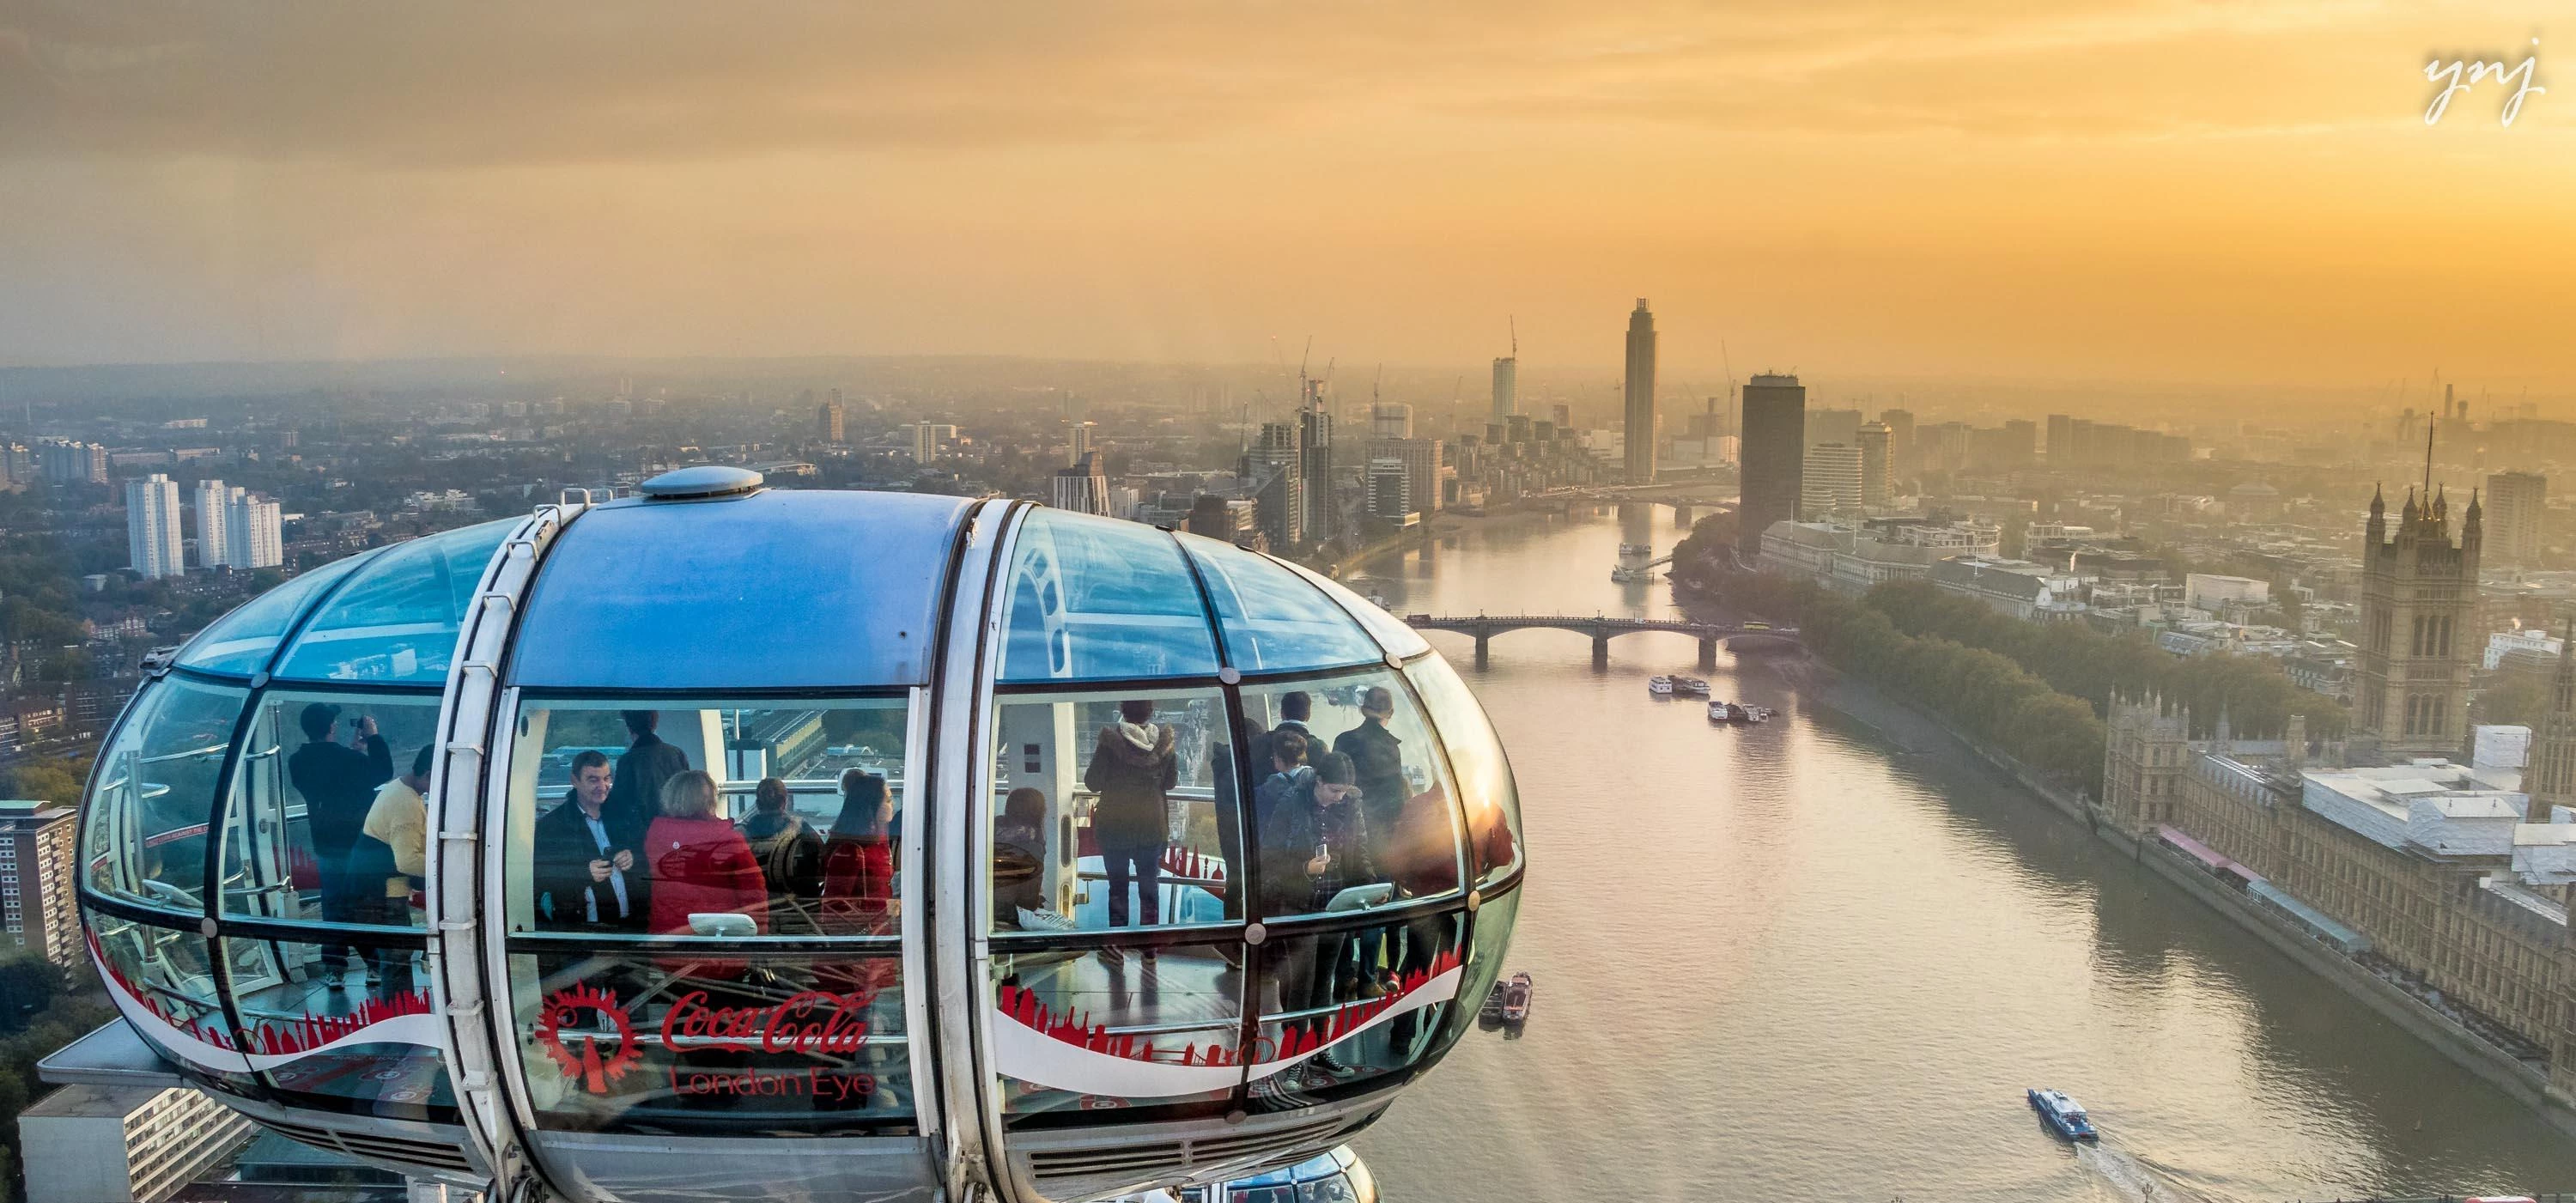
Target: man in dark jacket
column 583, row 858
column 648, row 763
column 1377, row 756
column 1295, row 707
column 338, row 784
column 1134, row 765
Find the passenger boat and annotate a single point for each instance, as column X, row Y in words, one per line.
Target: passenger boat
column 1516, row 999
column 1692, row 686
column 1494, row 1002
column 2063, row 1115
column 1721, row 712
column 1636, row 549
column 1624, row 575
column 1754, row 714
column 1661, row 687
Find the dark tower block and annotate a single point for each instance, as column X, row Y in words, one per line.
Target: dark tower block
column 2419, row 597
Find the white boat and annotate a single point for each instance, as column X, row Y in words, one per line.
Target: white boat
column 1692, row 686
column 1624, row 575
column 1721, row 712
column 1636, row 549
column 1661, row 687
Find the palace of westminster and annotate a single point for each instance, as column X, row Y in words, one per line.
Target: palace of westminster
column 2447, row 878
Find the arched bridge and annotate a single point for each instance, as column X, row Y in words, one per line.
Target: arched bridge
column 1603, row 629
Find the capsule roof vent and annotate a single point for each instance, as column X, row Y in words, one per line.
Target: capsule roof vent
column 700, row 483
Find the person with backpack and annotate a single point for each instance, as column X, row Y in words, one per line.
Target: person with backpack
column 790, row 853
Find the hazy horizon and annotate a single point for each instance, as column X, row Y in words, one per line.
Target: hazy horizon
column 2147, row 194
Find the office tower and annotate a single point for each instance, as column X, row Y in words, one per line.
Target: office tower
column 254, row 535
column 1422, row 463
column 17, row 466
column 1564, row 415
column 36, row 880
column 2517, row 500
column 928, row 438
column 1640, row 409
column 152, row 526
column 1391, row 420
column 2419, row 635
column 1829, row 482
column 1507, row 385
column 1833, row 426
column 1773, row 457
column 1077, row 442
column 1279, row 496
column 830, row 422
column 2061, row 440
column 1082, row 488
column 1389, row 489
column 1877, row 449
column 1900, row 451
column 213, row 505
column 1516, row 428
column 1315, row 449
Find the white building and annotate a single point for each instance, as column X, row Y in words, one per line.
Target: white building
column 2214, row 593
column 2024, row 590
column 1390, row 495
column 1853, row 557
column 1082, row 488
column 213, row 505
column 2530, row 645
column 928, row 438
column 124, row 1144
column 254, row 532
column 152, row 526
column 1829, row 483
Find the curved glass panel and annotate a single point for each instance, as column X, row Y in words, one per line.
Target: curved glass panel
column 1096, row 599
column 795, row 828
column 1390, row 631
column 1486, row 794
column 240, row 642
column 1273, row 620
column 163, row 983
column 1113, row 810
column 396, row 621
column 327, row 824
column 778, row 590
column 368, row 1048
column 1352, row 809
column 152, row 797
column 1155, row 1033
column 1341, row 1039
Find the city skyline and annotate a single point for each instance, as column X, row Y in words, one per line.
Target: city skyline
column 2115, row 191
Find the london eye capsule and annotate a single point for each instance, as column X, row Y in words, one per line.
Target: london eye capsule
column 728, row 842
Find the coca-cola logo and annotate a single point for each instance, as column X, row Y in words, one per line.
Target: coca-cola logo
column 564, row 1013
column 811, row 1021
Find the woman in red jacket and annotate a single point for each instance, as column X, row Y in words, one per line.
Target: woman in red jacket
column 701, row 866
column 858, row 860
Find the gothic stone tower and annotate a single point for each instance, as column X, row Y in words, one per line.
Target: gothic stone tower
column 2419, row 598
column 2143, row 765
column 2552, row 780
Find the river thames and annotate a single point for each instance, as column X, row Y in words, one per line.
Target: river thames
column 1821, row 959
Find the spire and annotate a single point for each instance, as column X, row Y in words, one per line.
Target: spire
column 2429, row 423
column 2378, row 503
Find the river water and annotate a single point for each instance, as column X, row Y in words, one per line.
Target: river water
column 1821, row 959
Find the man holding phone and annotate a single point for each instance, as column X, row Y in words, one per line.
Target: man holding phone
column 584, row 857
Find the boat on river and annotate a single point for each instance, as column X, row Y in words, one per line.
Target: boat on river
column 1660, row 686
column 1516, row 998
column 2062, row 1114
column 1690, row 686
column 1636, row 549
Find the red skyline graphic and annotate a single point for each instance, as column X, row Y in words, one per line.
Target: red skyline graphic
column 1081, row 1031
column 268, row 1037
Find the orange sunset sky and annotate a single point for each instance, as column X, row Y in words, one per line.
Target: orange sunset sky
column 2096, row 189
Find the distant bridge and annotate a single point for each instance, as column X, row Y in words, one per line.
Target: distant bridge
column 1603, row 629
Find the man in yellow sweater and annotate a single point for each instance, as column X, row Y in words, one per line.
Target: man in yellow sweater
column 400, row 817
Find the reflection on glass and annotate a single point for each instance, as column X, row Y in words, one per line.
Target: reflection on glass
column 1079, row 1032
column 1351, row 807
column 1343, row 1010
column 165, row 983
column 1273, row 621
column 145, row 838
column 799, row 1044
column 1113, row 811
column 397, row 620
column 364, row 1047
column 1493, row 931
column 240, row 642
column 1491, row 804
column 327, row 822
column 1091, row 599
column 710, row 820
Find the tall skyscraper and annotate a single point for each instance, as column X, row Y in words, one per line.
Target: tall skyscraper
column 214, row 515
column 2419, row 634
column 2517, row 500
column 1422, row 463
column 69, row 462
column 928, row 439
column 1640, row 410
column 1278, row 476
column 1773, row 457
column 1830, row 481
column 1082, row 488
column 1877, row 451
column 1390, row 491
column 830, row 421
column 1315, row 449
column 152, row 526
column 1900, row 452
column 253, row 534
column 1564, row 415
column 1507, row 385
column 1391, row 420
column 1077, row 442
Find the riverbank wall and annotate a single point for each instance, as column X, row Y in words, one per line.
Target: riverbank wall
column 1877, row 709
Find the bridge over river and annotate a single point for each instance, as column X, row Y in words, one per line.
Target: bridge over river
column 1603, row 629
